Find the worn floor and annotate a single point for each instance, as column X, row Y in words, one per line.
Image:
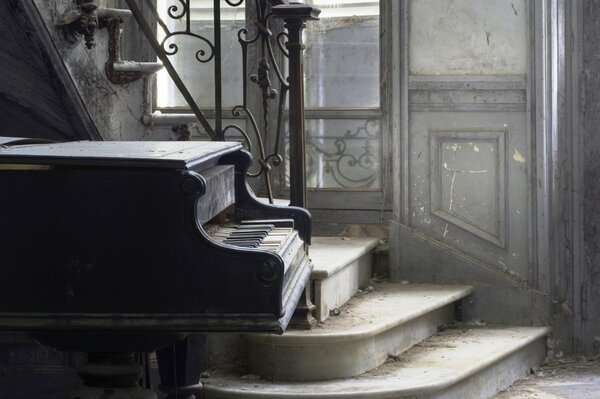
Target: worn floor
column 563, row 378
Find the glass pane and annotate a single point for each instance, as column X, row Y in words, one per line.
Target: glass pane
column 199, row 77
column 476, row 37
column 342, row 153
column 342, row 55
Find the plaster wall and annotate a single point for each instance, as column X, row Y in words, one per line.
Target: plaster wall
column 560, row 282
column 115, row 109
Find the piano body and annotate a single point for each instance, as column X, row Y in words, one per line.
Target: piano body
column 127, row 246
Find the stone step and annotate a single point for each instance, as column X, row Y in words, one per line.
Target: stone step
column 370, row 327
column 337, row 276
column 342, row 265
column 459, row 363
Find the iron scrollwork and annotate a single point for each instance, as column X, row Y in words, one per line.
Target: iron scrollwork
column 267, row 63
column 353, row 162
column 176, row 12
column 269, row 74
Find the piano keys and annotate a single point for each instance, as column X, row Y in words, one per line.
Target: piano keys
column 139, row 237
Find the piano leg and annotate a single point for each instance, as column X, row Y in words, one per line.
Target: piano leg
column 303, row 318
column 114, row 375
column 180, row 365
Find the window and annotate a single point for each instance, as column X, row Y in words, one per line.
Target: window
column 342, row 94
column 345, row 99
column 196, row 73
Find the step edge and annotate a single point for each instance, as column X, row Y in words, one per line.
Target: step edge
column 321, row 274
column 290, row 339
column 385, row 393
column 494, row 358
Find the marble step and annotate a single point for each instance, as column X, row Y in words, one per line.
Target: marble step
column 370, row 327
column 458, row 363
column 337, row 276
column 342, row 266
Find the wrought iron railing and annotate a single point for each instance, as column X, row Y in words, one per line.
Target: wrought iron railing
column 270, row 79
column 344, row 161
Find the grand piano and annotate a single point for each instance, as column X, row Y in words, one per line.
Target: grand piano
column 121, row 247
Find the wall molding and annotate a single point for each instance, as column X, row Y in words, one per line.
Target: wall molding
column 467, row 93
column 470, row 137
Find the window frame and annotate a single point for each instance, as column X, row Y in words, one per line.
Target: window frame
column 335, row 205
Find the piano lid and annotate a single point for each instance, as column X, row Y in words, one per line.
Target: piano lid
column 157, row 154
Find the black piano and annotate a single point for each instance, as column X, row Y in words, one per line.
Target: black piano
column 126, row 246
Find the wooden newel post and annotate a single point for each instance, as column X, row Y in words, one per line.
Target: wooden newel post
column 295, row 15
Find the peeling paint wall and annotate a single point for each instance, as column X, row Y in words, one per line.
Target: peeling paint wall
column 464, row 154
column 115, row 109
column 465, row 37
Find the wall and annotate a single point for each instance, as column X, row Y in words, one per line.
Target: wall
column 559, row 282
column 465, row 154
column 591, row 179
column 115, row 109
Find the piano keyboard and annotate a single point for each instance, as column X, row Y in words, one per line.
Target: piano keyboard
column 264, row 236
column 278, row 236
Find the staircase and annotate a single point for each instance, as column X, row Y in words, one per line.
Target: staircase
column 377, row 339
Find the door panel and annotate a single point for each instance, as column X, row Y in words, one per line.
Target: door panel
column 468, row 139
column 469, row 186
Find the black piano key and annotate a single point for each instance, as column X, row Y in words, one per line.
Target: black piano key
column 261, row 234
column 253, row 235
column 243, row 239
column 245, row 244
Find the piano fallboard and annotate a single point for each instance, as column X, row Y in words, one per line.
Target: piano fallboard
column 109, row 237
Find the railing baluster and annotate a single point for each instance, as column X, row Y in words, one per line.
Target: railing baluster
column 295, row 16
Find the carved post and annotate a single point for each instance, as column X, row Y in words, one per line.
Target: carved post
column 295, row 15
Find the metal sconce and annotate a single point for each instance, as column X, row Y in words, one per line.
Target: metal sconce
column 81, row 19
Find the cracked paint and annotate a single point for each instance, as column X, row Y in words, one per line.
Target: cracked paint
column 445, row 166
column 517, row 156
column 454, row 147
